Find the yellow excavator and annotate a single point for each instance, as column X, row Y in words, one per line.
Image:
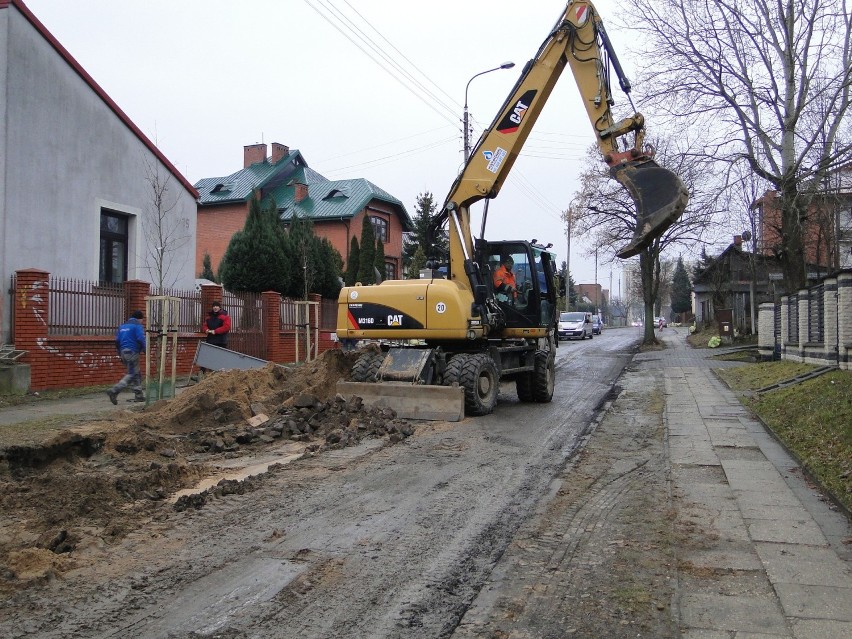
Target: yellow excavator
column 447, row 342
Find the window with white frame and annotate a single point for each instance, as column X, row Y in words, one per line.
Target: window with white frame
column 113, row 247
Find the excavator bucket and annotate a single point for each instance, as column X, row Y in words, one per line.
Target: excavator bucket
column 660, row 198
column 410, row 401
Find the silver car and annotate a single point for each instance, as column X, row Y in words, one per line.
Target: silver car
column 574, row 325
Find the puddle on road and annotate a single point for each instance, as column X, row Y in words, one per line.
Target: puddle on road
column 239, row 469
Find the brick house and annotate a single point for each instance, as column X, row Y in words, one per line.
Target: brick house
column 827, row 229
column 337, row 208
column 74, row 197
column 594, row 293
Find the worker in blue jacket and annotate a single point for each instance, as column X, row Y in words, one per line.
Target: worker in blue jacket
column 130, row 344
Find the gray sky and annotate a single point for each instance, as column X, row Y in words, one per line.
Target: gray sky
column 203, row 78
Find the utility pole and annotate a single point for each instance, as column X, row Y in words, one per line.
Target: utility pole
column 465, row 119
column 597, row 289
column 568, row 262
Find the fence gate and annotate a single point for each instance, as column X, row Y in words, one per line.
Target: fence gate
column 246, row 336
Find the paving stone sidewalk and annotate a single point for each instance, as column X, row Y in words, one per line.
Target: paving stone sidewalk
column 774, row 559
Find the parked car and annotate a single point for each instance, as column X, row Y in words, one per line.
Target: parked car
column 597, row 325
column 657, row 321
column 574, row 325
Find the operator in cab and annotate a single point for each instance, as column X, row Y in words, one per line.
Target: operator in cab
column 504, row 279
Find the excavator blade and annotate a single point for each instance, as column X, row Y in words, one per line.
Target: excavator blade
column 410, row 401
column 660, row 198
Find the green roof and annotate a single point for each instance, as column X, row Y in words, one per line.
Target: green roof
column 327, row 199
column 334, row 200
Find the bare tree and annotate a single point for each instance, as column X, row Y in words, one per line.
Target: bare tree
column 166, row 231
column 767, row 84
column 605, row 212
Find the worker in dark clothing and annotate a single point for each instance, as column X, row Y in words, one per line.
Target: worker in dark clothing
column 217, row 325
column 130, row 344
column 216, row 328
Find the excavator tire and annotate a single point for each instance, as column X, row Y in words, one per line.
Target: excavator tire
column 544, row 376
column 366, row 369
column 477, row 375
column 524, row 386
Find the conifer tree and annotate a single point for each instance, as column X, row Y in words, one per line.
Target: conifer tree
column 418, row 261
column 254, row 260
column 366, row 275
column 379, row 260
column 354, row 262
column 681, row 289
column 435, row 247
column 315, row 265
column 207, row 268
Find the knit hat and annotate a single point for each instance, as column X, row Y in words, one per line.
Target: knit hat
column 216, row 303
column 137, row 315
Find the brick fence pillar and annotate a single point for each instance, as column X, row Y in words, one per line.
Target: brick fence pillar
column 804, row 319
column 135, row 292
column 844, row 318
column 766, row 330
column 32, row 304
column 317, row 319
column 272, row 326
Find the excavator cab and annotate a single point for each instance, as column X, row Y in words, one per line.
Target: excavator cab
column 520, row 277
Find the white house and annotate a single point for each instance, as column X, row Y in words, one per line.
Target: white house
column 75, row 198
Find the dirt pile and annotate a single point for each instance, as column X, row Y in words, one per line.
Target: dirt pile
column 91, row 484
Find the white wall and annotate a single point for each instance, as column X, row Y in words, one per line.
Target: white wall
column 66, row 155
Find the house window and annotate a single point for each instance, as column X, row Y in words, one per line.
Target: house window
column 113, row 253
column 390, row 271
column 380, row 228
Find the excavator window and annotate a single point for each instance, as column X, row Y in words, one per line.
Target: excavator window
column 515, row 283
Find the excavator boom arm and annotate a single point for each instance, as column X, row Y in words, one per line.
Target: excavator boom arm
column 578, row 40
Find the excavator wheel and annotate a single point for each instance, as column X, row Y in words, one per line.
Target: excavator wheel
column 524, row 386
column 544, row 376
column 477, row 375
column 366, row 369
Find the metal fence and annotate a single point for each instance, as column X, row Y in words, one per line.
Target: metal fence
column 77, row 307
column 776, row 322
column 793, row 319
column 246, row 311
column 190, row 313
column 816, row 332
column 84, row 308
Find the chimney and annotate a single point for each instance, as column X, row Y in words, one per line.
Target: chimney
column 738, row 240
column 301, row 192
column 279, row 151
column 253, row 153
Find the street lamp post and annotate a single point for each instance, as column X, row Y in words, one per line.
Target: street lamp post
column 505, row 65
column 568, row 263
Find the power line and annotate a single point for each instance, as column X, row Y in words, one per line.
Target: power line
column 390, row 158
column 404, row 57
column 383, row 60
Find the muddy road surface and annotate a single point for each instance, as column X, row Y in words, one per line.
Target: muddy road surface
column 400, row 534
